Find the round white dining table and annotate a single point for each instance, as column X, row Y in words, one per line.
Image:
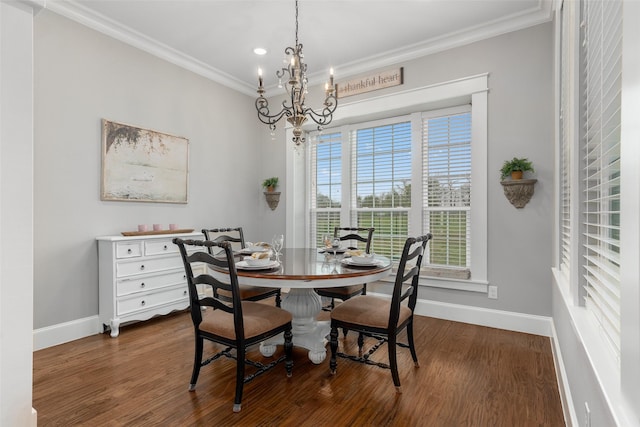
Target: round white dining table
column 301, row 271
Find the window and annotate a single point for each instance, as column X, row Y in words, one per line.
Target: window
column 446, row 151
column 602, row 65
column 381, row 183
column 565, row 147
column 326, row 173
column 380, row 158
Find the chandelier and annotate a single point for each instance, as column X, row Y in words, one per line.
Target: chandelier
column 295, row 82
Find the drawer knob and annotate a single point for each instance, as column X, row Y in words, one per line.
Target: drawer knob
column 165, row 247
column 142, row 267
column 142, row 285
column 129, row 250
column 184, row 293
column 142, row 302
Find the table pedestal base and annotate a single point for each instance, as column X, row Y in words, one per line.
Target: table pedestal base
column 305, row 305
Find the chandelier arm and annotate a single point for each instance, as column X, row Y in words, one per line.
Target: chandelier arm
column 325, row 116
column 262, row 106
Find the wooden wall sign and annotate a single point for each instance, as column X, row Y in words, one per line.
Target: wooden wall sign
column 370, row 82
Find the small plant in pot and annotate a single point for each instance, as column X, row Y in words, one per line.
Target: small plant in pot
column 515, row 168
column 270, row 184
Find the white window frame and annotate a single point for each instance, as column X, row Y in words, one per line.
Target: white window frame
column 473, row 89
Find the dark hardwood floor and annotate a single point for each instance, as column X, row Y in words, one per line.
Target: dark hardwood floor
column 468, row 376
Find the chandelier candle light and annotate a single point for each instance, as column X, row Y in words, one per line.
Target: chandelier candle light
column 294, row 109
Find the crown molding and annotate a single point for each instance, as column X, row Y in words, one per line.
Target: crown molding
column 534, row 16
column 76, row 12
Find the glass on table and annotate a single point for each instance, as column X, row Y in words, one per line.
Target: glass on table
column 278, row 243
column 327, row 240
column 335, row 245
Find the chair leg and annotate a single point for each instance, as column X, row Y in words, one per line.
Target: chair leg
column 333, row 364
column 278, row 299
column 393, row 363
column 240, row 362
column 197, row 362
column 412, row 346
column 288, row 351
column 344, row 332
column 360, row 343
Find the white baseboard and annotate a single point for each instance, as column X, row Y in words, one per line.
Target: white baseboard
column 509, row 320
column 570, row 416
column 527, row 323
column 65, row 332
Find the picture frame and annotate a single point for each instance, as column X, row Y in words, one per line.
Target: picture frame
column 143, row 165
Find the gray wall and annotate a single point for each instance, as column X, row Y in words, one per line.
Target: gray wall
column 82, row 76
column 520, row 67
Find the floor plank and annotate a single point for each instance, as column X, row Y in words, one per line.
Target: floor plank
column 468, row 376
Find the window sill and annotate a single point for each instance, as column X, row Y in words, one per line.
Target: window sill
column 479, row 286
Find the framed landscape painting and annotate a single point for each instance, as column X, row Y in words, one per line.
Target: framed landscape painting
column 143, row 165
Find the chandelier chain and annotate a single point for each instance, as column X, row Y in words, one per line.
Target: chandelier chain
column 296, row 22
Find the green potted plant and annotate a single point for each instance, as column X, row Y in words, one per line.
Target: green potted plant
column 270, row 184
column 515, row 168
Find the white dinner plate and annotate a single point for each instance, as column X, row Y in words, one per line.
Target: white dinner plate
column 330, row 250
column 374, row 262
column 252, row 249
column 242, row 265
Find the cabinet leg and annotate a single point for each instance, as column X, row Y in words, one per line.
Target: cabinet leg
column 115, row 328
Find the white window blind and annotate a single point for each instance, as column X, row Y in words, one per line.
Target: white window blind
column 447, row 189
column 565, row 149
column 601, row 163
column 381, row 184
column 326, row 178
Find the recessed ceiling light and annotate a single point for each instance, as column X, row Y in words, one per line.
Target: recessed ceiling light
column 260, row 51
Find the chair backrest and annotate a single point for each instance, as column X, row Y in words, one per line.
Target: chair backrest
column 196, row 260
column 234, row 235
column 360, row 234
column 414, row 248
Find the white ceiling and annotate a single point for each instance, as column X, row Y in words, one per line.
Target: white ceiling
column 216, row 38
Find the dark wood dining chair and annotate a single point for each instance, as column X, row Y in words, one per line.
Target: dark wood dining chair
column 343, row 293
column 235, row 324
column 383, row 318
column 235, row 235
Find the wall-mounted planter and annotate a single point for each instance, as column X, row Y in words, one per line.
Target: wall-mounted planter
column 519, row 191
column 273, row 198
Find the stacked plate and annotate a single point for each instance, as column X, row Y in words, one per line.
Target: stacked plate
column 362, row 261
column 269, row 264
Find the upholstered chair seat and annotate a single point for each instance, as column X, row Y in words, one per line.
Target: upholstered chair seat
column 258, row 318
column 369, row 311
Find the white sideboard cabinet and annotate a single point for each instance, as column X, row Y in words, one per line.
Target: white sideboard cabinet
column 140, row 277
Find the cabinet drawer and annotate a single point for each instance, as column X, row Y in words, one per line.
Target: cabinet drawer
column 146, row 301
column 144, row 266
column 128, row 249
column 149, row 283
column 159, row 247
